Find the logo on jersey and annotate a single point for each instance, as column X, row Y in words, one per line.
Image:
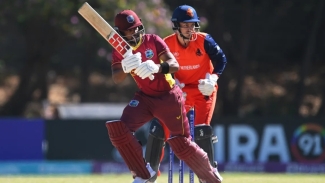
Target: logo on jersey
column 176, row 54
column 189, row 12
column 133, row 103
column 189, row 67
column 130, row 19
column 198, row 52
column 149, row 53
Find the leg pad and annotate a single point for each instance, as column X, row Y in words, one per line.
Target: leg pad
column 194, row 157
column 155, row 146
column 129, row 148
column 205, row 139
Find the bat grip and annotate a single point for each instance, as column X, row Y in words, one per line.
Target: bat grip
column 128, row 53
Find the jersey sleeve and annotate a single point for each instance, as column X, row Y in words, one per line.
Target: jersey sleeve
column 161, row 46
column 116, row 57
column 216, row 55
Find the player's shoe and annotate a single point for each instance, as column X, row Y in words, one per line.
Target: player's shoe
column 216, row 173
column 153, row 178
column 141, row 180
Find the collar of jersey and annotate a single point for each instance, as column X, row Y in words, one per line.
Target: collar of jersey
column 139, row 43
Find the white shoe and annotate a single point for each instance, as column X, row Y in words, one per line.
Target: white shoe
column 141, row 180
column 216, row 173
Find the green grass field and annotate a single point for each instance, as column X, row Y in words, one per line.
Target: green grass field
column 125, row 178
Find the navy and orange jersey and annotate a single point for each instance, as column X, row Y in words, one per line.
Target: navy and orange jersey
column 151, row 47
column 200, row 57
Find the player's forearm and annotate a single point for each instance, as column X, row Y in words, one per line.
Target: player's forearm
column 168, row 58
column 118, row 76
column 173, row 65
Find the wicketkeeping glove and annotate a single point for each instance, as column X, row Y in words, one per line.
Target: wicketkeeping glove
column 131, row 62
column 146, row 69
column 207, row 85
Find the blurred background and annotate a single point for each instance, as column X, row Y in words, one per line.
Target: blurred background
column 56, row 90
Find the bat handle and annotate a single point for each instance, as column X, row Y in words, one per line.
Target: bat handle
column 128, row 53
column 151, row 77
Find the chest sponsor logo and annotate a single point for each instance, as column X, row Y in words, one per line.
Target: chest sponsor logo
column 189, row 67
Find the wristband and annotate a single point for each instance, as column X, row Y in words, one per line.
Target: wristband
column 164, row 68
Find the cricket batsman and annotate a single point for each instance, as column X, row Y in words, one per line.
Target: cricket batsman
column 159, row 98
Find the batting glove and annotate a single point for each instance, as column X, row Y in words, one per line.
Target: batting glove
column 181, row 86
column 131, row 62
column 207, row 85
column 146, row 69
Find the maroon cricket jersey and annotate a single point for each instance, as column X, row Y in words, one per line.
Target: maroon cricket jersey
column 151, row 47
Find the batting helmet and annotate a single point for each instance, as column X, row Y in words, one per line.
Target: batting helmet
column 127, row 19
column 187, row 14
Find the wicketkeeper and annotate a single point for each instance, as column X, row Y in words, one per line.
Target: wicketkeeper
column 201, row 62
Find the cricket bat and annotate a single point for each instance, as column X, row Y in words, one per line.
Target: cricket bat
column 107, row 31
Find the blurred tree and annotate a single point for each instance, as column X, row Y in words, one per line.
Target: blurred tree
column 307, row 61
column 41, row 29
column 40, row 36
column 274, row 48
